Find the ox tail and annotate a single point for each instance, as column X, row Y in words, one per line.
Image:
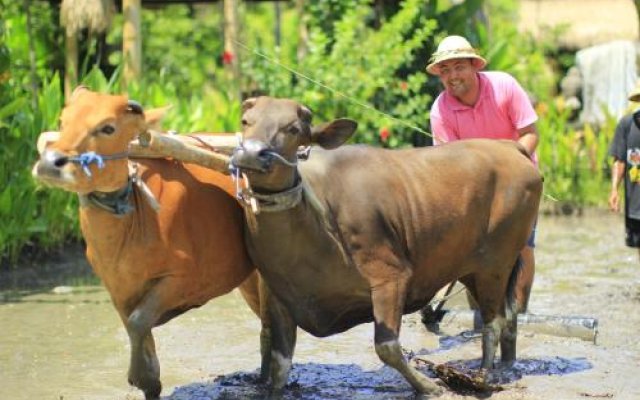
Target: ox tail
column 511, row 305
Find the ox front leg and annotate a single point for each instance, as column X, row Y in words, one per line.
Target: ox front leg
column 388, row 303
column 282, row 344
column 144, row 368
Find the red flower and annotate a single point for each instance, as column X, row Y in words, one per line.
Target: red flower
column 227, row 57
column 384, row 133
column 404, row 86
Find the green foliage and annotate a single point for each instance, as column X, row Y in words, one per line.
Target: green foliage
column 182, row 45
column 362, row 61
column 355, row 72
column 30, row 214
column 573, row 161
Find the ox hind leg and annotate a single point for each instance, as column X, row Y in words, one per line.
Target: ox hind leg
column 388, row 298
column 509, row 336
column 499, row 315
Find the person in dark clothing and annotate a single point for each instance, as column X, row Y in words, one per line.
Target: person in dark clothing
column 625, row 150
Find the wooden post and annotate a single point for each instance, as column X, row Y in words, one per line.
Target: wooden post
column 131, row 41
column 231, row 55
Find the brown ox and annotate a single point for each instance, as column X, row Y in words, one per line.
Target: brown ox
column 363, row 234
column 155, row 264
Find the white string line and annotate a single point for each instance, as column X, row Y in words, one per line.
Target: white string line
column 337, row 92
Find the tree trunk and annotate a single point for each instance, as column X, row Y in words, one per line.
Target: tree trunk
column 231, row 56
column 637, row 2
column 303, row 32
column 32, row 56
column 71, row 63
column 131, row 41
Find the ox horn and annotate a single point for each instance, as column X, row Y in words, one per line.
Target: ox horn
column 134, row 107
column 45, row 139
column 248, row 103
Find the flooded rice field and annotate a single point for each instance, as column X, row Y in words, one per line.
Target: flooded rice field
column 61, row 340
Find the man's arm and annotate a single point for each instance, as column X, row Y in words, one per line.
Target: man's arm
column 617, row 173
column 529, row 138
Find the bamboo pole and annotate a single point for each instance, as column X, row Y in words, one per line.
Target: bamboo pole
column 131, row 41
column 584, row 328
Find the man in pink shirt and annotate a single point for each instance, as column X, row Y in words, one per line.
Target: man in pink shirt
column 478, row 104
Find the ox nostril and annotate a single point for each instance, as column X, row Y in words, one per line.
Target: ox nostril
column 54, row 158
column 255, row 148
column 60, row 161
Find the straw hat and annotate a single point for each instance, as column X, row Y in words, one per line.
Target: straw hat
column 635, row 95
column 450, row 48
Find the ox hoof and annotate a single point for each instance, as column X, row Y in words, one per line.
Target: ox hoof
column 435, row 392
column 427, row 388
column 275, row 394
column 151, row 389
column 152, row 395
column 490, row 376
column 431, row 319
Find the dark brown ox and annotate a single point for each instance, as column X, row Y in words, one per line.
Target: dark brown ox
column 362, row 234
column 155, row 264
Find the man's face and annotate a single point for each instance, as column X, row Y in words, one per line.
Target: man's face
column 458, row 76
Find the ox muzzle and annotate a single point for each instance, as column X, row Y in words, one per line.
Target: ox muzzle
column 253, row 155
column 50, row 167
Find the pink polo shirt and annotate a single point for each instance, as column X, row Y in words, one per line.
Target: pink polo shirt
column 502, row 108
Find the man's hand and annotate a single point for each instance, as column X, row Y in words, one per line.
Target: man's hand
column 614, row 200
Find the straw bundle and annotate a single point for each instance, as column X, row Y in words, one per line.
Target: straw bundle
column 94, row 15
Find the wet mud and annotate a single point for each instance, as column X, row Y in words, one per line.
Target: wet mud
column 71, row 343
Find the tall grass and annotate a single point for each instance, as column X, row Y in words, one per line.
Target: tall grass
column 573, row 157
column 34, row 215
column 29, row 214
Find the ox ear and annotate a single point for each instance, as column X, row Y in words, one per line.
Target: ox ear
column 333, row 134
column 77, row 92
column 249, row 103
column 154, row 116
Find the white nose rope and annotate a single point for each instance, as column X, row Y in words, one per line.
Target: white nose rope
column 244, row 194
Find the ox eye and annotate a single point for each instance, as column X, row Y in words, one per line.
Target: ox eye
column 294, row 130
column 107, row 129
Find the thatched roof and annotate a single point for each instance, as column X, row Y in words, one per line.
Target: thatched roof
column 587, row 22
column 94, row 15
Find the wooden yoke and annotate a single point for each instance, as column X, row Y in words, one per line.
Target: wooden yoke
column 204, row 150
column 207, row 150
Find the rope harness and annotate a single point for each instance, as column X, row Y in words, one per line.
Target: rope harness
column 272, row 202
column 90, row 157
column 117, row 202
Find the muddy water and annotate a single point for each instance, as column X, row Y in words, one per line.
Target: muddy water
column 69, row 344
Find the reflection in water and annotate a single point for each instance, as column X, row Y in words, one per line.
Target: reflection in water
column 72, row 345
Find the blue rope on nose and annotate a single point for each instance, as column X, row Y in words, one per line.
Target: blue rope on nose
column 86, row 159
